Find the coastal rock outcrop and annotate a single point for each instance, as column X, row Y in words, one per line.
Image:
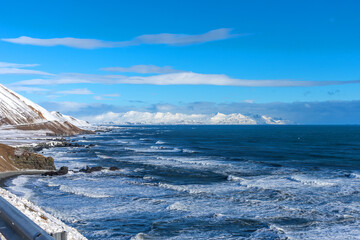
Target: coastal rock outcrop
column 62, row 171
column 13, row 159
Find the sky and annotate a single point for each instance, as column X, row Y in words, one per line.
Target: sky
column 298, row 60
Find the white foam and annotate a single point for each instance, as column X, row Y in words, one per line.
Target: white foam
column 188, row 151
column 354, row 175
column 182, row 188
column 312, row 181
column 103, row 156
column 18, row 186
column 152, row 149
column 234, row 178
column 141, row 236
column 178, row 206
column 82, row 192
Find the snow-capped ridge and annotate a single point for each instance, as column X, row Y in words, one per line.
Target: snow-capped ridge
column 167, row 118
column 18, row 110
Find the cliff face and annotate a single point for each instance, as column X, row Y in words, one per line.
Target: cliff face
column 12, row 159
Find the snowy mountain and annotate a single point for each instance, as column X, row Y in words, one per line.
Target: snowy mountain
column 16, row 110
column 159, row 118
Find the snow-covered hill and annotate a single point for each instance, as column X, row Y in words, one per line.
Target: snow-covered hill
column 18, row 110
column 147, row 118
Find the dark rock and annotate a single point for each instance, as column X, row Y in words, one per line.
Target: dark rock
column 114, row 168
column 63, row 170
column 87, row 169
column 51, row 173
column 96, row 169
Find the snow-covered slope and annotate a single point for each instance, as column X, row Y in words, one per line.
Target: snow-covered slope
column 18, row 110
column 147, row 118
column 65, row 118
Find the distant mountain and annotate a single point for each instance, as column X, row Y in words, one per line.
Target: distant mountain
column 21, row 113
column 160, row 118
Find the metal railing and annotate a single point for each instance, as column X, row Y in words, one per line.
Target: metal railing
column 14, row 225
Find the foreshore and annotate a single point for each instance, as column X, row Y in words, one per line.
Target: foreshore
column 43, row 219
column 4, row 176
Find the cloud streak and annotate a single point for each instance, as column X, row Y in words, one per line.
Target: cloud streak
column 143, row 69
column 15, row 68
column 80, row 91
column 16, row 65
column 150, row 39
column 182, row 78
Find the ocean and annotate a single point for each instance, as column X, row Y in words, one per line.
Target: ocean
column 207, row 182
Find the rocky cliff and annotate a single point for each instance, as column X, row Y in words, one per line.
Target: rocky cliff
column 14, row 159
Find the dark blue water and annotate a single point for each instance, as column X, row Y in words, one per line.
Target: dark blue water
column 208, row 182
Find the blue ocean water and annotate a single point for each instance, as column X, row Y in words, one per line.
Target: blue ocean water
column 207, row 182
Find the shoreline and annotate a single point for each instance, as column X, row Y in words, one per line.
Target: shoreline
column 5, row 176
column 45, row 220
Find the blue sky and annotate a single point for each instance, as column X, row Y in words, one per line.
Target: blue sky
column 88, row 57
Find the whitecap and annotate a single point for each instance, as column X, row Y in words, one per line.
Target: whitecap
column 311, row 181
column 178, row 206
column 188, row 151
column 82, row 192
column 234, row 178
column 18, row 185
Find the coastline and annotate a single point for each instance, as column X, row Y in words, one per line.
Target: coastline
column 45, row 220
column 5, row 176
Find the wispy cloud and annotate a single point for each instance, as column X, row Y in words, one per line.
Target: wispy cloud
column 28, row 89
column 163, row 38
column 106, row 96
column 143, row 69
column 80, row 91
column 22, row 71
column 16, row 65
column 16, row 68
column 183, row 78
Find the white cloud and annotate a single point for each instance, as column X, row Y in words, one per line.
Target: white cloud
column 106, row 96
column 16, row 65
column 22, row 71
column 143, row 69
column 80, row 91
column 16, row 68
column 68, row 41
column 111, row 95
column 163, row 38
column 183, row 78
column 28, row 89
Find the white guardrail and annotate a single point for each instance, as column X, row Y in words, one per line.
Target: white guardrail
column 14, row 225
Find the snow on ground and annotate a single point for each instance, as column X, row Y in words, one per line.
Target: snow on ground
column 14, row 137
column 46, row 221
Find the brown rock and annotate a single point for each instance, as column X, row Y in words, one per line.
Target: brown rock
column 16, row 159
